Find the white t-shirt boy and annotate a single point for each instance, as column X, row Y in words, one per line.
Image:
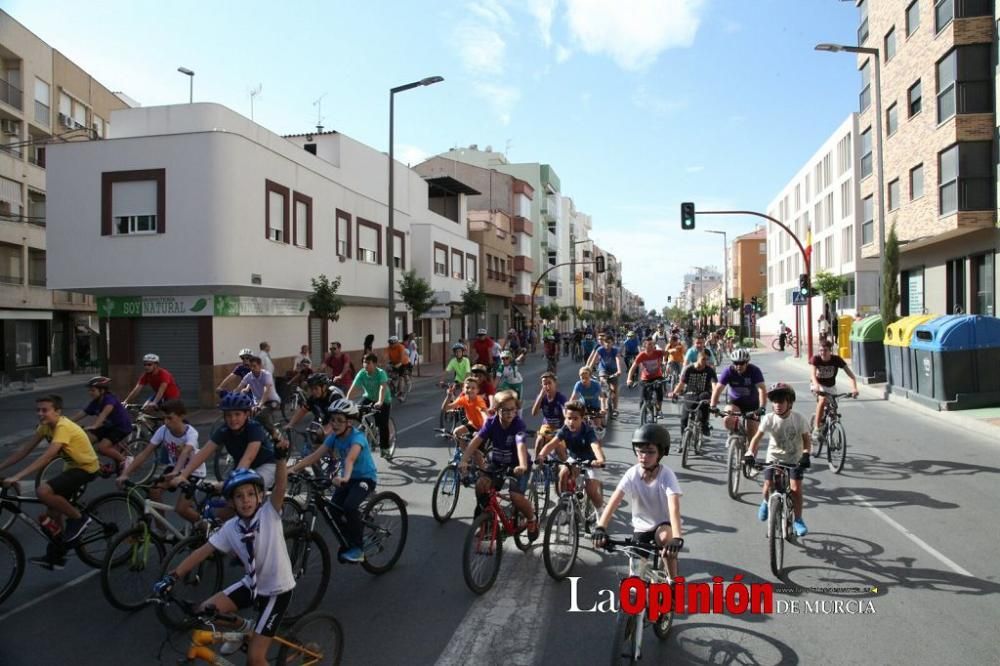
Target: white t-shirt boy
column 785, row 443
column 649, row 500
column 170, row 445
column 274, row 569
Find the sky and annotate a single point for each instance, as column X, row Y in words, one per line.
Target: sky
column 638, row 105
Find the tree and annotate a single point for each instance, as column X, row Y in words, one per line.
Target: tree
column 549, row 311
column 890, row 278
column 564, row 314
column 416, row 293
column 830, row 287
column 473, row 302
column 324, row 301
column 652, row 313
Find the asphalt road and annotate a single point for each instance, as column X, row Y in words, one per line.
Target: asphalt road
column 908, row 528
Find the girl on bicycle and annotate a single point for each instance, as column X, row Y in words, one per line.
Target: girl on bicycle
column 112, row 423
column 589, row 393
column 358, row 474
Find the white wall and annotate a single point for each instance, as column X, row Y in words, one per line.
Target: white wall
column 446, row 232
column 231, row 334
column 355, row 323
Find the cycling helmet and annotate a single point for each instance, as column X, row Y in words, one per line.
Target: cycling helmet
column 317, row 379
column 457, row 346
column 240, row 477
column 654, row 434
column 150, row 358
column 506, row 353
column 741, row 355
column 246, row 351
column 306, row 363
column 780, row 390
column 236, row 402
column 630, row 334
column 345, row 407
column 99, row 382
column 481, row 331
column 254, row 357
column 479, row 368
column 393, row 339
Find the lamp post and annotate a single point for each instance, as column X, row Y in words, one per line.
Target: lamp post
column 873, row 54
column 390, row 226
column 725, row 274
column 190, row 74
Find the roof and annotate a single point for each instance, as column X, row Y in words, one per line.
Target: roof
column 289, row 136
column 441, row 185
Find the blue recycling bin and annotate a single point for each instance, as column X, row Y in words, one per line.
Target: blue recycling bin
column 956, row 354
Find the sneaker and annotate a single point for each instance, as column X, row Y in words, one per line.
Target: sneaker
column 354, row 555
column 706, row 430
column 762, row 512
column 74, row 528
column 816, row 434
column 232, row 647
column 800, row 527
column 50, row 563
column 532, row 530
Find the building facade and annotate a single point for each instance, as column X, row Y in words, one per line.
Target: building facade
column 748, row 266
column 44, row 99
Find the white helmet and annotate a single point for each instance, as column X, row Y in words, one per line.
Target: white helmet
column 345, row 407
column 506, row 353
column 246, row 351
column 150, row 358
column 741, row 355
column 481, row 331
column 393, row 339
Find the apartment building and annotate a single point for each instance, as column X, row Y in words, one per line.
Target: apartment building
column 822, row 199
column 938, row 99
column 44, row 98
column 696, row 285
column 193, row 259
column 748, row 265
column 583, row 249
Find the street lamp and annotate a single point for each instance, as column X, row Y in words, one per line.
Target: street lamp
column 873, row 54
column 430, row 80
column 190, row 74
column 725, row 273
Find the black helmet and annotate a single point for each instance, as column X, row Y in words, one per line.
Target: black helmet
column 317, row 379
column 99, row 382
column 654, row 434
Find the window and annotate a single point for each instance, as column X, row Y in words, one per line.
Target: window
column 867, row 221
column 827, row 170
column 955, row 286
column 846, row 299
column 894, row 194
column 946, row 87
column 943, row 14
column 845, row 158
column 913, row 99
column 29, row 343
column 818, row 254
column 440, row 260
column 964, row 177
column 912, row 17
column 818, row 216
column 471, row 270
column 863, row 26
column 890, row 44
column 65, row 105
column 866, row 153
column 36, row 267
column 770, row 274
column 946, row 10
column 847, row 244
column 343, row 234
column 11, row 264
column 828, row 251
column 369, row 242
column 42, row 92
column 964, row 82
column 798, row 198
column 982, row 283
column 277, row 226
column 781, row 272
column 828, row 205
column 303, row 223
column 917, row 182
column 865, row 98
column 891, row 120
column 762, row 248
column 398, row 251
column 98, row 125
column 457, row 264
column 133, row 202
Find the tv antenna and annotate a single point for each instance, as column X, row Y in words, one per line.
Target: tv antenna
column 506, row 150
column 319, row 113
column 253, row 93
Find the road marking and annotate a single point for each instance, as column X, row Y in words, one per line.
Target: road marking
column 909, row 535
column 414, row 425
column 48, row 595
column 16, row 436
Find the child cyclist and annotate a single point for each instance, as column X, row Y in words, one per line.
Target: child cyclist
column 473, row 412
column 550, row 403
column 358, row 474
column 458, row 365
column 175, row 441
column 654, row 494
column 789, row 445
column 510, row 378
column 589, row 392
column 111, row 424
column 255, row 536
column 577, row 440
column 505, row 431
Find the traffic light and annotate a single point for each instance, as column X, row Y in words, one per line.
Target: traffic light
column 753, row 304
column 687, row 216
column 599, row 263
column 804, row 284
column 669, row 299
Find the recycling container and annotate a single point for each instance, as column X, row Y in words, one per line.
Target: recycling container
column 899, row 356
column 867, row 348
column 844, row 325
column 956, row 354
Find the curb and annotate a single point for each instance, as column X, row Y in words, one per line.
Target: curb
column 77, row 381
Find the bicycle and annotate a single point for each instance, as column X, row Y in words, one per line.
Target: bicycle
column 562, row 529
column 832, row 433
column 134, row 558
column 449, row 481
column 369, row 426
column 316, row 638
column 649, row 408
column 11, row 564
column 780, row 513
column 483, row 548
column 295, row 399
column 693, row 437
column 736, row 448
column 552, row 364
column 643, row 562
column 399, row 382
column 610, row 391
column 790, row 341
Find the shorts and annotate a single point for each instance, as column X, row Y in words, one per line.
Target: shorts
column 590, row 473
column 518, row 485
column 267, row 473
column 648, row 538
column 69, row 481
column 674, row 367
column 270, row 609
column 593, row 410
column 612, row 380
column 402, row 368
column 794, row 473
column 113, row 435
column 546, row 430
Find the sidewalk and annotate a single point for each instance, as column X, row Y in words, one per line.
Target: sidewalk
column 985, row 421
column 42, row 384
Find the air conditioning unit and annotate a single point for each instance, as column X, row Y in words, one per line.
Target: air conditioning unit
column 9, row 126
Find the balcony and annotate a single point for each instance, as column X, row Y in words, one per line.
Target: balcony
column 522, row 225
column 524, row 264
column 11, row 94
column 42, row 114
column 522, row 299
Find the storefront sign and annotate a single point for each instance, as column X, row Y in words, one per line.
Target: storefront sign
column 199, row 306
column 251, row 306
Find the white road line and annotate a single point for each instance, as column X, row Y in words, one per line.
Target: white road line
column 908, row 534
column 49, row 594
column 414, row 425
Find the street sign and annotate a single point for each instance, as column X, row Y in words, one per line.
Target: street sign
column 798, row 298
column 437, row 312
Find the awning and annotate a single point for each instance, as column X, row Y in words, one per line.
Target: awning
column 37, row 315
column 441, row 185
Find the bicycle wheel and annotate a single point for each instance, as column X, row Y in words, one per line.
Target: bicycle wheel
column 663, row 624
column 646, row 414
column 818, row 453
column 623, row 647
column 11, row 564
column 775, row 533
column 385, row 528
column 131, row 566
column 148, row 470
column 734, row 469
column 686, row 445
column 222, row 464
column 199, row 584
column 562, row 541
column 316, row 639
column 776, row 345
column 445, row 497
column 310, row 558
column 521, row 539
column 544, row 493
column 482, row 552
column 110, row 515
column 836, row 448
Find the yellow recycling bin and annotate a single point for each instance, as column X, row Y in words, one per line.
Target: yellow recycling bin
column 899, row 358
column 844, row 335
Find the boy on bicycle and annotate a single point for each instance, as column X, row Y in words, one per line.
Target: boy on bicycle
column 697, row 383
column 589, row 392
column 630, row 348
column 112, row 423
column 458, row 365
column 650, row 365
column 551, row 403
column 487, row 390
column 505, row 431
column 510, row 378
column 609, row 365
column 255, row 536
column 473, row 411
column 654, row 494
column 551, row 349
column 577, row 440
column 358, row 474
column 824, row 376
column 675, row 355
column 789, row 446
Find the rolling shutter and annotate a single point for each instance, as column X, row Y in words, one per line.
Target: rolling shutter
column 175, row 341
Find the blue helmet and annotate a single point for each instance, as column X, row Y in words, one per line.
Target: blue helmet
column 239, row 477
column 232, row 402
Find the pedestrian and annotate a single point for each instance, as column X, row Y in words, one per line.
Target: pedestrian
column 303, row 355
column 367, row 346
column 410, row 342
column 824, row 328
column 265, row 357
column 782, row 335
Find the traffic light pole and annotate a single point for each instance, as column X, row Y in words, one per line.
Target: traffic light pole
column 541, row 277
column 805, row 259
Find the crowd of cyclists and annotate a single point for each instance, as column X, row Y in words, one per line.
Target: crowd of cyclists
column 485, row 389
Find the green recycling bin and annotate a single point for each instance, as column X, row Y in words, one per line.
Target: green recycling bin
column 899, row 357
column 956, row 354
column 867, row 349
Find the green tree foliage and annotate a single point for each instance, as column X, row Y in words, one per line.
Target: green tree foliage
column 890, row 278
column 830, row 287
column 324, row 301
column 416, row 293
